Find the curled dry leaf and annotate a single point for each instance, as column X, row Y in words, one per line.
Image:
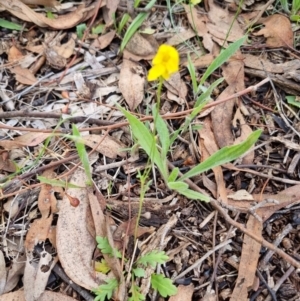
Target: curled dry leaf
column 131, row 84
column 46, row 296
column 277, row 31
column 25, row 13
column 75, row 244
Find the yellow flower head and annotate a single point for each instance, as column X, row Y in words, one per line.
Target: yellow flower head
column 165, row 62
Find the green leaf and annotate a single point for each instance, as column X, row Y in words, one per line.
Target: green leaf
column 105, row 291
column 222, row 58
column 192, row 72
column 10, row 25
column 178, row 186
column 84, row 158
column 80, row 28
column 57, row 183
column 146, row 140
column 194, row 195
column 98, row 29
column 106, row 248
column 153, row 258
column 136, row 23
column 163, row 132
column 292, row 101
column 173, row 175
column 123, row 22
column 102, row 266
column 222, row 156
column 163, row 285
column 138, row 272
column 200, row 103
column 135, row 294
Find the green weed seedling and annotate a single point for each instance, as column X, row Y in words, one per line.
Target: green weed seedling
column 158, row 282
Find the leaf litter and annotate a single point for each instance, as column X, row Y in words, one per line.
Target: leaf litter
column 59, row 72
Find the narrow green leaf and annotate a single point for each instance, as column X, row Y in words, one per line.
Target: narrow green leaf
column 178, row 186
column 163, row 285
column 222, row 156
column 222, row 58
column 194, row 195
column 136, row 23
column 80, row 28
column 146, row 140
column 192, row 72
column 173, row 175
column 123, row 22
column 163, row 132
column 9, row 25
column 84, row 158
column 57, row 183
column 292, row 101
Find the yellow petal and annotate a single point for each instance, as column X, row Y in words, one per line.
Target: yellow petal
column 156, row 71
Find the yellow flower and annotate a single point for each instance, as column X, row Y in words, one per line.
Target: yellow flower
column 165, row 62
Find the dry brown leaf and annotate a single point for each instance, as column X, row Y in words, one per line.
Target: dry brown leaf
column 108, row 145
column 104, row 40
column 285, row 198
column 14, row 54
column 181, row 37
column 277, row 31
column 223, row 25
column 14, row 273
column 5, row 163
column 75, row 244
column 25, row 13
column 209, row 148
column 184, row 292
column 109, row 12
column 245, row 130
column 249, row 260
column 143, row 46
column 221, row 116
column 46, row 296
column 29, row 139
column 65, row 50
column 24, row 76
column 177, row 87
column 131, row 83
column 198, row 22
column 38, row 232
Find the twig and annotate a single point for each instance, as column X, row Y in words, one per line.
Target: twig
column 270, row 290
column 241, row 227
column 286, row 230
column 280, row 281
column 45, row 115
column 82, row 292
column 199, row 261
